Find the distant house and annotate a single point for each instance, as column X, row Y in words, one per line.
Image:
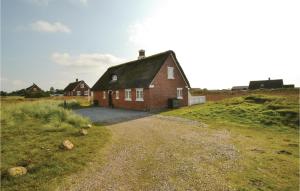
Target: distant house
column 147, row 83
column 239, row 88
column 77, row 88
column 289, row 86
column 266, row 84
column 33, row 89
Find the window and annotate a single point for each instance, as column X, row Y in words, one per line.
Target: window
column 82, row 85
column 139, row 94
column 104, row 94
column 78, row 93
column 170, row 72
column 117, row 94
column 86, row 93
column 128, row 94
column 114, row 78
column 179, row 93
column 34, row 89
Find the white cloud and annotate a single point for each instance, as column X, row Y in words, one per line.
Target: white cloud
column 44, row 26
column 235, row 41
column 88, row 67
column 18, row 83
column 92, row 60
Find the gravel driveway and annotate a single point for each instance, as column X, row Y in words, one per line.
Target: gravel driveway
column 160, row 153
column 108, row 115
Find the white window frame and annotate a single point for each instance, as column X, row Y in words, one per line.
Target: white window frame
column 114, row 78
column 86, row 92
column 117, row 94
column 82, row 85
column 128, row 95
column 78, row 93
column 104, row 95
column 139, row 94
column 179, row 93
column 170, row 72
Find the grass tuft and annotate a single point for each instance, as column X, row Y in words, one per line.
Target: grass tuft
column 31, row 133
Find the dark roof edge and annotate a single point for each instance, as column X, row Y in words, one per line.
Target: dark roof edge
column 170, row 51
column 181, row 70
column 266, row 80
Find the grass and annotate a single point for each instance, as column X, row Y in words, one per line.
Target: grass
column 255, row 110
column 265, row 130
column 31, row 134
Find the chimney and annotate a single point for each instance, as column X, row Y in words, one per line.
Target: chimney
column 141, row 54
column 76, row 79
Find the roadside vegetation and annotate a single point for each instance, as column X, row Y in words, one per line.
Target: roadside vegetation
column 32, row 131
column 265, row 130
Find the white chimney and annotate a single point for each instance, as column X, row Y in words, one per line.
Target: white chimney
column 141, row 54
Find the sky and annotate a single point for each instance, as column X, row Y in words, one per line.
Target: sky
column 218, row 43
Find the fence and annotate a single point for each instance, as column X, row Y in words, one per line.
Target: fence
column 196, row 100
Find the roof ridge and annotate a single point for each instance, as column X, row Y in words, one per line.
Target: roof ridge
column 157, row 54
column 264, row 80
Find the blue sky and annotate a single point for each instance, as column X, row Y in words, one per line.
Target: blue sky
column 219, row 44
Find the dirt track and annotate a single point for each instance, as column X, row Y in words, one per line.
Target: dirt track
column 161, row 153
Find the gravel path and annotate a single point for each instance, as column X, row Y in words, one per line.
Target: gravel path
column 161, row 153
column 108, row 115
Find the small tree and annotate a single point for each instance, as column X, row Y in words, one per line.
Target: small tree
column 52, row 90
column 3, row 93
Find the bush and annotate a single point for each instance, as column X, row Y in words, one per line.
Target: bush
column 44, row 111
column 70, row 104
column 37, row 95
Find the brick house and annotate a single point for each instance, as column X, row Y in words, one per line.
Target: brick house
column 77, row 88
column 143, row 84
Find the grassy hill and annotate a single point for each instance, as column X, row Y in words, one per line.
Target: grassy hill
column 255, row 110
column 265, row 130
column 31, row 135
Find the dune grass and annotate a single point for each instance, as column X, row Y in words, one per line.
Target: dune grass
column 254, row 110
column 265, row 130
column 31, row 134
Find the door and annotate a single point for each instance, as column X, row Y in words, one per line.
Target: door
column 110, row 103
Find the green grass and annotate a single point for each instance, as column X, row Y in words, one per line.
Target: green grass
column 260, row 126
column 31, row 134
column 255, row 110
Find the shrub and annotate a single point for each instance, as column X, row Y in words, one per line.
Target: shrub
column 70, row 104
column 37, row 95
column 45, row 111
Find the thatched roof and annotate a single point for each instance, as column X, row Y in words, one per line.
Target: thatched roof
column 30, row 88
column 135, row 74
column 266, row 84
column 73, row 85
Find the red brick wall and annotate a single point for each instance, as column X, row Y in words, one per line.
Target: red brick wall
column 154, row 98
column 121, row 102
column 165, row 88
